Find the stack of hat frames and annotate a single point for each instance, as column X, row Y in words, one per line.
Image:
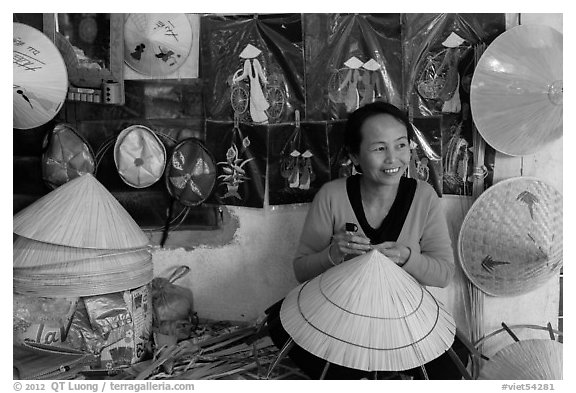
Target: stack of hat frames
column 78, row 241
column 368, row 314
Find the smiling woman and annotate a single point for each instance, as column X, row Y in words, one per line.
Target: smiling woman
column 400, row 217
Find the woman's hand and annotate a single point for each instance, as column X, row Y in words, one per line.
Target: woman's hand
column 397, row 252
column 344, row 243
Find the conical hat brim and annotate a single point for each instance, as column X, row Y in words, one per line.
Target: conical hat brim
column 32, row 253
column 79, row 285
column 81, row 213
column 139, row 142
column 509, row 95
column 39, row 73
column 368, row 314
column 525, row 360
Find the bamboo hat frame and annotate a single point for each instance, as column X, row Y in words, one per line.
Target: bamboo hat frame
column 368, row 314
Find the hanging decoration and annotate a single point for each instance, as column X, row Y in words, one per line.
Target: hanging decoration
column 354, row 60
column 40, row 79
column 157, row 44
column 254, row 68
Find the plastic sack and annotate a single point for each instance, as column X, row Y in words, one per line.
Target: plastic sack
column 173, row 312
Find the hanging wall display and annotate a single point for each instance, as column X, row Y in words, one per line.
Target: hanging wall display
column 240, row 152
column 161, row 46
column 426, row 157
column 254, row 68
column 352, row 60
column 298, row 162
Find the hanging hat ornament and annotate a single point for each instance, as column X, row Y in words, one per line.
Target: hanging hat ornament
column 368, row 314
column 66, row 156
column 516, row 91
column 40, row 80
column 156, row 44
column 510, row 241
column 140, row 156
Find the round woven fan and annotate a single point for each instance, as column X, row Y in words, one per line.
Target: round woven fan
column 156, row 44
column 516, row 91
column 511, row 239
column 526, row 360
column 40, row 80
column 140, row 156
column 81, row 213
column 191, row 172
column 368, row 314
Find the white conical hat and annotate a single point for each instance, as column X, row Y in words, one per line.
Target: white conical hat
column 40, row 80
column 81, row 213
column 32, row 253
column 353, row 62
column 516, row 91
column 249, row 52
column 368, row 314
column 526, row 359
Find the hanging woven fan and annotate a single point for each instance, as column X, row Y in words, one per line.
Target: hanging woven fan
column 368, row 314
column 511, row 239
column 140, row 156
column 516, row 91
column 156, row 44
column 40, row 80
column 526, row 360
column 81, row 213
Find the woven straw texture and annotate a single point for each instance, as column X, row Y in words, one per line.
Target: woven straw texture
column 140, row 156
column 368, row 314
column 81, row 213
column 526, row 359
column 511, row 239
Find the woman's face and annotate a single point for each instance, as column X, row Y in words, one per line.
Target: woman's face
column 384, row 152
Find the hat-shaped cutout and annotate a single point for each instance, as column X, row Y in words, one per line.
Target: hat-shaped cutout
column 368, row 314
column 525, row 360
column 511, row 239
column 353, row 62
column 80, row 213
column 371, row 65
column 140, row 156
column 249, row 52
column 191, row 172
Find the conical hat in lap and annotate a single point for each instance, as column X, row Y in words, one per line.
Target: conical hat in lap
column 525, row 360
column 81, row 213
column 368, row 314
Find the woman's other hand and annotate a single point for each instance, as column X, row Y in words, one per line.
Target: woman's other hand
column 397, row 252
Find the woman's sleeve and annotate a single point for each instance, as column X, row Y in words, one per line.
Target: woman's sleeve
column 312, row 254
column 434, row 264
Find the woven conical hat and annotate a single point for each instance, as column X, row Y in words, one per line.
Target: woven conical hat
column 40, row 80
column 510, row 241
column 32, row 253
column 81, row 213
column 516, row 91
column 526, row 359
column 140, row 156
column 368, row 314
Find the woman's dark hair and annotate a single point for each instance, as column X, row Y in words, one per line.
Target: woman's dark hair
column 352, row 134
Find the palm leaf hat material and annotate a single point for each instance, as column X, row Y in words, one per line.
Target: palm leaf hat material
column 510, row 241
column 516, row 91
column 81, row 213
column 525, row 360
column 368, row 314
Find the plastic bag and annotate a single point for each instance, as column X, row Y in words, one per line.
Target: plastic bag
column 173, row 312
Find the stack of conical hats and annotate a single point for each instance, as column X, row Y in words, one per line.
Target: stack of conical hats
column 368, row 314
column 78, row 241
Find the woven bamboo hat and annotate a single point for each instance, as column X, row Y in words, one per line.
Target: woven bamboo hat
column 510, row 241
column 81, row 213
column 368, row 314
column 516, row 90
column 524, row 360
column 140, row 156
column 40, row 80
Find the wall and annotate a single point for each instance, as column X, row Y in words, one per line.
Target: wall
column 238, row 279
